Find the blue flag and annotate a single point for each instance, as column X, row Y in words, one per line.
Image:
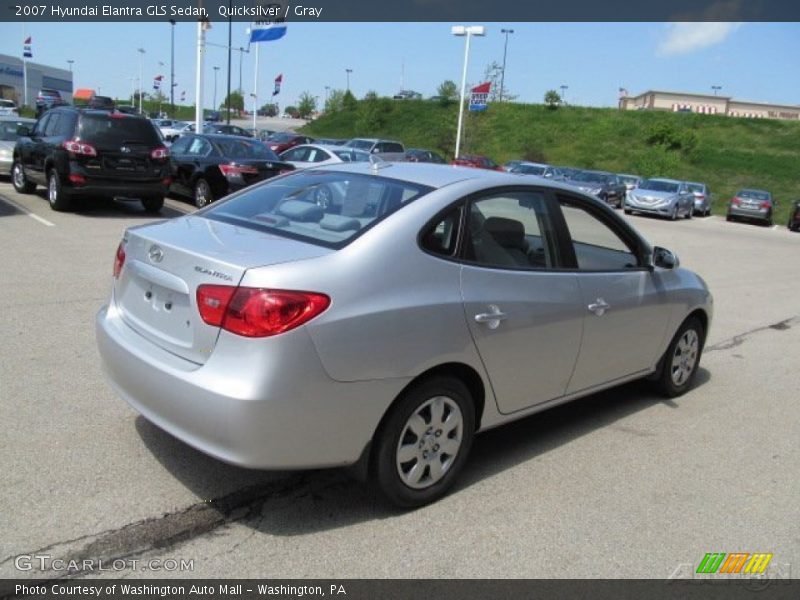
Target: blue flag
column 267, row 32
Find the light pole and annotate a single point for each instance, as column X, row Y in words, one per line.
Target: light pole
column 716, row 88
column 505, row 32
column 241, row 54
column 348, row 71
column 172, row 69
column 214, row 104
column 564, row 89
column 141, row 73
column 327, row 91
column 461, row 30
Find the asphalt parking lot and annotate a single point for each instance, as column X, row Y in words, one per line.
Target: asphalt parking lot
column 620, row 484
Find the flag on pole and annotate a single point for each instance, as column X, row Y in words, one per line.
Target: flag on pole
column 26, row 48
column 183, row 96
column 157, row 82
column 263, row 31
column 278, row 82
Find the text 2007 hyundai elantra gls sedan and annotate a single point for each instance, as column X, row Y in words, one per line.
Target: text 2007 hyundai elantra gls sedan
column 384, row 326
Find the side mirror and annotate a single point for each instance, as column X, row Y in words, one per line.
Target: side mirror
column 23, row 131
column 664, row 258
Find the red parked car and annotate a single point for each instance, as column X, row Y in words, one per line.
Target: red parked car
column 281, row 141
column 477, row 161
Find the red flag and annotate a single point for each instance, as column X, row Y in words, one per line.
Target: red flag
column 278, row 81
column 482, row 88
column 27, row 40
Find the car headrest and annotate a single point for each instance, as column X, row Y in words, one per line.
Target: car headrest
column 506, row 232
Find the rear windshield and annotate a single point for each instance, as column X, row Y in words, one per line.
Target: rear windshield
column 244, row 148
column 352, row 155
column 654, row 185
column 697, row 187
column 754, row 194
column 321, row 207
column 281, row 137
column 628, row 179
column 360, row 144
column 107, row 129
column 591, row 177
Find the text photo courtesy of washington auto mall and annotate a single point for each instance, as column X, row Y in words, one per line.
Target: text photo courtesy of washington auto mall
column 399, row 300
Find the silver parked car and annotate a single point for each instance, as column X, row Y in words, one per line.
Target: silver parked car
column 8, row 139
column 663, row 197
column 702, row 198
column 384, row 332
column 752, row 205
column 317, row 155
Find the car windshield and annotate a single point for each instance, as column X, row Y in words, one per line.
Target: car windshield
column 117, row 129
column 529, row 169
column 321, row 207
column 753, row 194
column 588, row 177
column 244, row 148
column 8, row 130
column 654, row 185
column 360, row 144
column 696, row 187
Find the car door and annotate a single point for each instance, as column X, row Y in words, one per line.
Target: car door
column 180, row 166
column 33, row 158
column 625, row 315
column 525, row 315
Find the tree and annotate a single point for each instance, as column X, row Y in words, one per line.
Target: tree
column 371, row 96
column 494, row 74
column 335, row 101
column 349, row 101
column 306, row 105
column 268, row 110
column 292, row 112
column 447, row 92
column 236, row 100
column 552, row 99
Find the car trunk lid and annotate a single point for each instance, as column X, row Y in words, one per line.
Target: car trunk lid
column 165, row 263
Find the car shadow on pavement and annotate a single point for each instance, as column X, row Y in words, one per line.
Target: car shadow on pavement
column 117, row 209
column 303, row 502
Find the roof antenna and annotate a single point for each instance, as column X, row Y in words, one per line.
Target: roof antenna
column 376, row 163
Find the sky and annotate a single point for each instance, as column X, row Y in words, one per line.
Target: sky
column 751, row 61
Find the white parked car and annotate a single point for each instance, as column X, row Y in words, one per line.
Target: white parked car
column 315, row 155
column 8, row 108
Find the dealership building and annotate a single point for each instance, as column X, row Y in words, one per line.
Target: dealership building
column 707, row 104
column 39, row 76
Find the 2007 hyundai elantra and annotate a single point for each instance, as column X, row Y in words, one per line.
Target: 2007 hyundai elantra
column 379, row 315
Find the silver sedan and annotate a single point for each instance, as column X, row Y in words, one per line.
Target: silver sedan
column 662, row 197
column 384, row 331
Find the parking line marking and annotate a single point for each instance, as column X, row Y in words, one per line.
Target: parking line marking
column 27, row 212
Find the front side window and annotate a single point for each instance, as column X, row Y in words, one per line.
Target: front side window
column 321, row 207
column 511, row 230
column 597, row 246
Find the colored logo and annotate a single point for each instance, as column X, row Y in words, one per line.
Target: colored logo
column 736, row 562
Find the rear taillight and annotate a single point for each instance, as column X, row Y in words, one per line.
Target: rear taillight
column 257, row 312
column 765, row 204
column 700, row 196
column 234, row 169
column 736, row 201
column 77, row 179
column 76, row 147
column 119, row 259
column 160, row 153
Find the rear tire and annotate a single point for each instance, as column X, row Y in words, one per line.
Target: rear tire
column 424, row 442
column 153, row 204
column 58, row 198
column 678, row 366
column 20, row 181
column 728, row 218
column 628, row 211
column 203, row 196
column 769, row 220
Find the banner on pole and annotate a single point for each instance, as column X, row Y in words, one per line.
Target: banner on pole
column 264, row 31
column 479, row 97
column 278, row 82
column 26, row 48
column 157, row 82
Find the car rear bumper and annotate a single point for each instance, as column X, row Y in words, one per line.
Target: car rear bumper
column 118, row 188
column 264, row 403
column 749, row 213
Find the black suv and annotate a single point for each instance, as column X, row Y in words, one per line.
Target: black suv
column 47, row 99
column 85, row 152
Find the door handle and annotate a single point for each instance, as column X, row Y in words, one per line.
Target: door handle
column 491, row 318
column 599, row 307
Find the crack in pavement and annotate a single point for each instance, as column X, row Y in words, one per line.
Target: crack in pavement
column 738, row 340
column 170, row 529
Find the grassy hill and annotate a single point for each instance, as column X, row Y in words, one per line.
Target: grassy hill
column 724, row 152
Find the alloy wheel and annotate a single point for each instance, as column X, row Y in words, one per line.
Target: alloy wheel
column 684, row 360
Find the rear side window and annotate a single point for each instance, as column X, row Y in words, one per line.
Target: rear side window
column 116, row 130
column 326, row 208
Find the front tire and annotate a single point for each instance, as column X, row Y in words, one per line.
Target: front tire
column 20, row 181
column 674, row 215
column 679, row 364
column 424, row 442
column 58, row 198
